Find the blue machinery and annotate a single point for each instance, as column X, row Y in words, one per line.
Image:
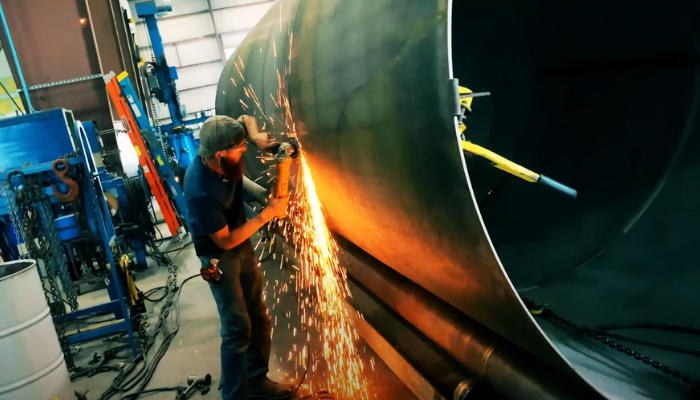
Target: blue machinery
column 161, row 82
column 86, row 220
column 142, row 137
column 66, row 220
column 74, row 234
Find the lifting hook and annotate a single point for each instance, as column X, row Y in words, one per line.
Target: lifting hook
column 73, row 188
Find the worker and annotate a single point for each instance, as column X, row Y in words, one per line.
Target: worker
column 213, row 189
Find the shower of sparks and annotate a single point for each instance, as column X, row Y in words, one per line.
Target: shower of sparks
column 318, row 279
column 322, row 274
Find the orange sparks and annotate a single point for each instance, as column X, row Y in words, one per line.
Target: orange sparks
column 234, row 82
column 319, row 280
column 291, row 39
column 274, row 48
column 239, row 70
column 322, row 270
column 250, row 92
column 241, row 61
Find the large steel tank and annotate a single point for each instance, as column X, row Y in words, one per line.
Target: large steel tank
column 32, row 365
column 603, row 97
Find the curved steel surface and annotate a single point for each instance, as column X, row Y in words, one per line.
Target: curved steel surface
column 602, row 100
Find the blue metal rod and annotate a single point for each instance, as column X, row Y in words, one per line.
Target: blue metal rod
column 111, row 306
column 16, row 60
column 35, row 169
column 100, row 332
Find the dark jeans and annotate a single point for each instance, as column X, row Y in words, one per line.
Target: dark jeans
column 245, row 325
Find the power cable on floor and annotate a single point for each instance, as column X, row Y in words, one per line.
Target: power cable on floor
column 135, row 395
column 128, row 379
column 145, row 374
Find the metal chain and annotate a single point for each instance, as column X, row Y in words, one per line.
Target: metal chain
column 55, row 250
column 64, row 82
column 546, row 313
column 90, row 180
column 71, row 154
column 52, row 250
column 28, row 210
column 9, row 195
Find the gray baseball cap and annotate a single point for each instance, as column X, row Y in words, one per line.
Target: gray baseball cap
column 219, row 133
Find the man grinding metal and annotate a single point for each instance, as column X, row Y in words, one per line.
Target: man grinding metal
column 213, row 188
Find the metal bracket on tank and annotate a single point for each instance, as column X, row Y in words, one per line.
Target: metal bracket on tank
column 454, row 100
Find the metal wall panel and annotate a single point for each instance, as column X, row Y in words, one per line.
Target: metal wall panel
column 199, row 75
column 187, row 27
column 199, row 99
column 193, row 44
column 142, row 38
column 198, row 51
column 233, row 3
column 183, row 7
column 238, row 18
column 233, row 39
column 171, row 54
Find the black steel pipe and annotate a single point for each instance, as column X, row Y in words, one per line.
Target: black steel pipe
column 511, row 372
column 442, row 372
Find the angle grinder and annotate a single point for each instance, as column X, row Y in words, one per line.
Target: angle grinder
column 284, row 153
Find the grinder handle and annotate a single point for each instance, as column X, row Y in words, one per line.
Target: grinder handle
column 282, row 184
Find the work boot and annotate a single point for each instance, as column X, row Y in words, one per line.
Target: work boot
column 269, row 390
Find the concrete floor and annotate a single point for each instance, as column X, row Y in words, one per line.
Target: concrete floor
column 195, row 349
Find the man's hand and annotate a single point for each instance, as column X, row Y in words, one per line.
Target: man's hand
column 276, row 207
column 262, row 140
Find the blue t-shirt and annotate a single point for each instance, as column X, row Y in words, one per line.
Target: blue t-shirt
column 213, row 201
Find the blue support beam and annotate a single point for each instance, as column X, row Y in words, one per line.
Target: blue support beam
column 100, row 333
column 180, row 138
column 110, row 306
